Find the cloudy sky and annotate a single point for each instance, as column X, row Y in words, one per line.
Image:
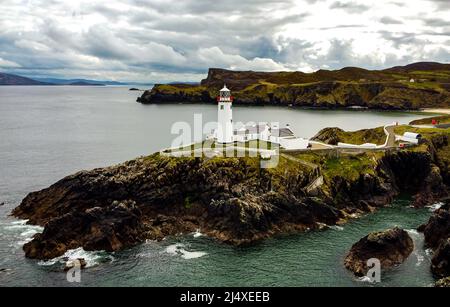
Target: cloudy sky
column 168, row 40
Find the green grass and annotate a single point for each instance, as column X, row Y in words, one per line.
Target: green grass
column 425, row 85
column 350, row 166
column 425, row 132
column 444, row 119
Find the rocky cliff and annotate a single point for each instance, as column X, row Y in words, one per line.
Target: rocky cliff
column 231, row 199
column 437, row 238
column 348, row 87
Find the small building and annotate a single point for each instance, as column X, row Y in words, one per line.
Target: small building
column 412, row 80
column 410, row 137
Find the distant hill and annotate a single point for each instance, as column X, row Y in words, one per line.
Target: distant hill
column 85, row 83
column 88, row 82
column 9, row 79
column 420, row 66
column 411, row 87
column 78, row 81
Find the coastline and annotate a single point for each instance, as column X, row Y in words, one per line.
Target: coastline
column 230, row 199
column 436, row 111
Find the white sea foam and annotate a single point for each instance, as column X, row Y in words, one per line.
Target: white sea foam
column 91, row 258
column 420, row 258
column 174, row 248
column 197, row 234
column 336, row 227
column 19, row 222
column 429, row 252
column 30, row 232
column 412, row 232
column 178, row 250
column 365, row 279
column 22, row 231
column 435, row 206
column 192, row 255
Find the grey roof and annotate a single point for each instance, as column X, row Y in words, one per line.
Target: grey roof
column 283, row 132
column 250, row 129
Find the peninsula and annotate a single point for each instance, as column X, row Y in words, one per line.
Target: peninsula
column 233, row 199
column 410, row 87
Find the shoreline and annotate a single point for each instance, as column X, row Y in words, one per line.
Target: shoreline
column 436, row 111
column 426, row 111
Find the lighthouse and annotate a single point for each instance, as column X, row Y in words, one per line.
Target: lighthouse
column 225, row 117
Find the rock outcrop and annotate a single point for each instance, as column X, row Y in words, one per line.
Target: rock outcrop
column 391, row 247
column 443, row 283
column 437, row 237
column 231, row 199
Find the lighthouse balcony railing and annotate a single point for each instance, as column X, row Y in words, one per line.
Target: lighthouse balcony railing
column 225, row 99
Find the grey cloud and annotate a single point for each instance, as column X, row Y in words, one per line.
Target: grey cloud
column 137, row 38
column 212, row 6
column 390, row 21
column 402, row 38
column 441, row 4
column 350, row 7
column 342, row 27
column 437, row 22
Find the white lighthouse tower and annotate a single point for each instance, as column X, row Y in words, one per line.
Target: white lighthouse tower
column 225, row 117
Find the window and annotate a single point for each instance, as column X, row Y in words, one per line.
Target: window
column 221, row 107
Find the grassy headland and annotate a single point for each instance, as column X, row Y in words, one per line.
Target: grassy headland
column 348, row 87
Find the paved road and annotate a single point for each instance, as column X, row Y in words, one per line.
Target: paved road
column 391, row 136
column 294, row 159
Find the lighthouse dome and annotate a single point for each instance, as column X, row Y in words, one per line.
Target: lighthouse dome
column 225, row 89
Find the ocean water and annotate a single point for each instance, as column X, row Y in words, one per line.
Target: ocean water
column 47, row 133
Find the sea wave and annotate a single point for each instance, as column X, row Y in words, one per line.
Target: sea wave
column 336, row 227
column 366, row 279
column 92, row 258
column 413, row 232
column 22, row 231
column 197, row 234
column 178, row 249
column 435, row 206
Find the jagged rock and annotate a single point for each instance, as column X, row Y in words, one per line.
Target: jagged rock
column 437, row 229
column 2, row 204
column 391, row 247
column 80, row 262
column 110, row 228
column 328, row 136
column 440, row 263
column 443, row 283
column 437, row 237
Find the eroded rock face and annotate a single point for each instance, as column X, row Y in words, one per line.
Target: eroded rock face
column 437, row 237
column 107, row 228
column 440, row 263
column 232, row 200
column 438, row 227
column 391, row 247
column 150, row 198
